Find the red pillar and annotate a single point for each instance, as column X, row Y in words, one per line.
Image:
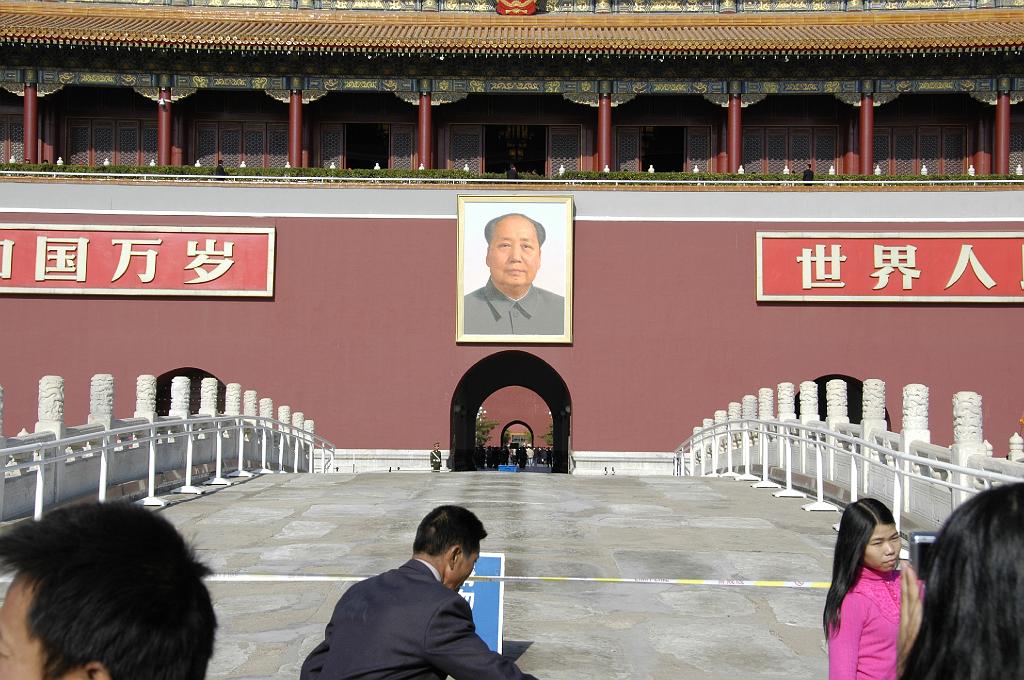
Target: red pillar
column 295, row 129
column 867, row 134
column 722, row 157
column 49, row 134
column 178, row 141
column 604, row 132
column 31, row 124
column 735, row 132
column 850, row 157
column 425, row 133
column 163, row 127
column 1001, row 145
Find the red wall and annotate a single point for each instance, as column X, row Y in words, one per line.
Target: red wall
column 360, row 334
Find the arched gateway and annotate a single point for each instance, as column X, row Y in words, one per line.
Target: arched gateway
column 506, row 369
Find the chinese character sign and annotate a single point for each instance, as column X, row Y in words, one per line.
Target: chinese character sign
column 891, row 267
column 102, row 260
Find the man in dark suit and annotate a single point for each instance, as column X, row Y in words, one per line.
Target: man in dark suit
column 411, row 623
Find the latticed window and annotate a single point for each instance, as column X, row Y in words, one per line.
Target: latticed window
column 564, row 151
column 78, row 145
column 149, row 144
column 1016, row 147
column 881, row 151
column 928, row 143
column 698, row 148
column 231, row 146
column 753, row 145
column 825, row 150
column 776, row 151
column 954, row 152
column 12, row 138
column 253, row 151
column 103, row 143
column 128, row 144
column 903, row 153
column 627, row 149
column 206, row 145
column 799, row 149
column 403, row 144
column 332, row 141
column 466, row 143
column 277, row 146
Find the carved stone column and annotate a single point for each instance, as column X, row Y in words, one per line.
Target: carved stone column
column 145, row 397
column 808, row 401
column 836, row 409
column 266, row 408
column 208, row 397
column 967, row 427
column 51, row 405
column 1015, row 455
column 786, row 395
column 749, row 408
column 249, row 403
column 284, row 414
column 873, row 408
column 180, row 387
column 233, row 399
column 915, row 415
column 101, row 400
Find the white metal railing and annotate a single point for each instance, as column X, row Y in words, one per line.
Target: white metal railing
column 918, row 478
column 40, row 469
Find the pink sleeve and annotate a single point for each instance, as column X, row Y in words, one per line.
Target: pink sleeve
column 844, row 644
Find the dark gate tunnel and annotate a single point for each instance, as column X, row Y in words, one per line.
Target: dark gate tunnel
column 506, row 369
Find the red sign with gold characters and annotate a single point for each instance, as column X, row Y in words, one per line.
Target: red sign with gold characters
column 890, row 267
column 46, row 259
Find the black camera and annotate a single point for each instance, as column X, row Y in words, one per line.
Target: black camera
column 922, row 544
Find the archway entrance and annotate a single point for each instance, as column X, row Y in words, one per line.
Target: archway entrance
column 517, row 433
column 505, row 369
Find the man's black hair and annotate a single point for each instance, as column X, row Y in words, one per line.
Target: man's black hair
column 491, row 225
column 117, row 584
column 449, row 525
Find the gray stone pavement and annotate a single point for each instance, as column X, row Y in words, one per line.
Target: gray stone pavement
column 548, row 525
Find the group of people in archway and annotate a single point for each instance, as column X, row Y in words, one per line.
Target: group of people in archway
column 490, row 457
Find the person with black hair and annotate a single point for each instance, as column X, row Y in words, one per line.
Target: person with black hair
column 862, row 608
column 103, row 592
column 411, row 623
column 969, row 625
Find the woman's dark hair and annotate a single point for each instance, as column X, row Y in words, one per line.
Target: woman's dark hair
column 855, row 528
column 974, row 599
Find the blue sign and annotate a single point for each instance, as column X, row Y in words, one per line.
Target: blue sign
column 487, row 598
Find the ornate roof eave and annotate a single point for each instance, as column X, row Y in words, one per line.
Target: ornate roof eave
column 432, row 33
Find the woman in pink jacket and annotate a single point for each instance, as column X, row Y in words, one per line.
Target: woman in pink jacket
column 862, row 608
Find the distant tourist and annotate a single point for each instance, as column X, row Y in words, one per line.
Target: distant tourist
column 411, row 623
column 808, row 174
column 512, row 173
column 862, row 608
column 969, row 625
column 219, row 171
column 103, row 592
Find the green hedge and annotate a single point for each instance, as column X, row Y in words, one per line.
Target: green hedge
column 459, row 174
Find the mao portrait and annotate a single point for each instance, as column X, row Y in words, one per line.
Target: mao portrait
column 515, row 269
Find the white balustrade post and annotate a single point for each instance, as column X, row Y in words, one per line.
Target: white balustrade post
column 872, row 421
column 298, row 418
column 180, row 391
column 915, row 429
column 145, row 397
column 968, row 439
column 284, row 414
column 721, row 417
column 233, row 407
column 787, row 414
column 836, row 413
column 151, row 500
column 1015, row 455
column 310, row 427
column 51, row 405
column 808, row 416
column 266, row 433
column 749, row 412
column 732, row 412
column 248, row 410
column 694, row 443
column 209, row 408
column 765, row 407
column 101, row 400
column 707, row 452
column 208, row 396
